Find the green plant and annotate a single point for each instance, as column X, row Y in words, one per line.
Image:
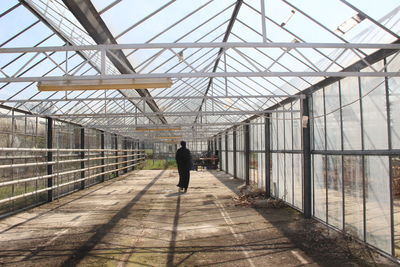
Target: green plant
column 158, row 164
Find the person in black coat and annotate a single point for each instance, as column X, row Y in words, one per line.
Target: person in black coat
column 184, row 161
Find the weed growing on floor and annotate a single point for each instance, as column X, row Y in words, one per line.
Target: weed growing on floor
column 251, row 196
column 159, row 164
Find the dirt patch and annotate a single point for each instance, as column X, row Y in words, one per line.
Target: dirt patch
column 324, row 244
column 320, row 242
column 254, row 197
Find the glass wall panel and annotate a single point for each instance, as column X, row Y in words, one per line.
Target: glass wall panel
column 110, row 144
column 333, row 117
column 351, row 113
column 274, row 131
column 319, row 187
column 252, row 134
column 240, row 155
column 394, row 101
column 253, row 168
column 274, row 176
column 66, row 135
column 240, row 138
column 230, row 163
column 318, row 120
column 257, row 157
column 335, row 191
column 262, row 133
column 297, row 181
column 396, row 203
column 353, row 195
column 374, row 110
column 223, row 154
column 261, row 170
column 289, row 178
column 241, row 171
column 230, row 140
column 377, row 201
column 296, row 127
column 281, row 131
column 288, row 128
column 92, row 141
column 281, row 176
column 350, row 193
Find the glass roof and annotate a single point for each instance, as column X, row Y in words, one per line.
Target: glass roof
column 198, row 102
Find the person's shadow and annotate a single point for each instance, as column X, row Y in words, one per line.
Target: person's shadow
column 175, row 194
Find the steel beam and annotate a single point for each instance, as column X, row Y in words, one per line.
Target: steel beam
column 209, row 97
column 181, row 75
column 174, row 114
column 90, row 19
column 134, row 126
column 188, row 45
column 169, row 114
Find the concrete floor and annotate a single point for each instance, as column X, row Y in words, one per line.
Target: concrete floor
column 140, row 219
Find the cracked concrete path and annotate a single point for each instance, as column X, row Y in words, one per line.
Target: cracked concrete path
column 140, row 219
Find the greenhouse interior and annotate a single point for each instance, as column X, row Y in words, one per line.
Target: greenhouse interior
column 300, row 99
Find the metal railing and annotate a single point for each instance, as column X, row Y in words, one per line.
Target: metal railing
column 98, row 163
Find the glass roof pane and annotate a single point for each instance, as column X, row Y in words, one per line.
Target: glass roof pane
column 375, row 9
column 11, row 23
column 122, row 17
column 188, row 21
column 7, row 5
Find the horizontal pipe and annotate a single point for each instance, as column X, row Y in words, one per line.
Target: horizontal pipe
column 225, row 45
column 40, row 156
column 18, row 149
column 148, row 114
column 204, row 124
column 31, row 179
column 31, row 164
column 62, row 185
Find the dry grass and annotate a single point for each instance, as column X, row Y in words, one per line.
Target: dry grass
column 251, row 196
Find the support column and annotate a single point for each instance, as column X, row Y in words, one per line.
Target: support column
column 102, row 155
column 116, row 154
column 49, row 158
column 306, row 157
column 226, row 153
column 267, row 156
column 82, row 138
column 136, row 148
column 234, row 153
column 247, row 152
column 126, row 155
column 220, row 151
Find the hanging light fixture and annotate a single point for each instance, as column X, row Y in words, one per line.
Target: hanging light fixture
column 101, row 84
